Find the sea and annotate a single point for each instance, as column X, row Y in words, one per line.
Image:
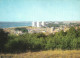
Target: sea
column 14, row 24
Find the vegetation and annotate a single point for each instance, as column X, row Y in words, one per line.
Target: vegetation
column 21, row 29
column 3, row 40
column 74, row 24
column 45, row 54
column 58, row 24
column 69, row 40
column 53, row 24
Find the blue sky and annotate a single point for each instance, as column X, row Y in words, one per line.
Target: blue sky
column 39, row 10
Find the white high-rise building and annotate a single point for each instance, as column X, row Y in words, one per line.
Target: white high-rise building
column 38, row 24
column 43, row 24
column 34, row 24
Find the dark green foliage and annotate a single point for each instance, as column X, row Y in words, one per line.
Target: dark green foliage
column 22, row 29
column 78, row 32
column 17, row 45
column 61, row 40
column 53, row 24
column 3, row 39
column 72, row 32
column 38, row 35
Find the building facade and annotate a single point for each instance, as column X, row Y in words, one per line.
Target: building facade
column 38, row 24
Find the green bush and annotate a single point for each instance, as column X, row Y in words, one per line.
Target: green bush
column 3, row 40
column 17, row 45
column 39, row 41
column 21, row 29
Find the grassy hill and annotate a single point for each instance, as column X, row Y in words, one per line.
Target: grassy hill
column 46, row 54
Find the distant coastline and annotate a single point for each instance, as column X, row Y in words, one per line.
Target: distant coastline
column 14, row 24
column 26, row 23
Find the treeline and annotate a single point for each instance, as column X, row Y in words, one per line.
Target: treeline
column 61, row 40
column 24, row 30
column 53, row 24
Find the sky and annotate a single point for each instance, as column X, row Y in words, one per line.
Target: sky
column 39, row 10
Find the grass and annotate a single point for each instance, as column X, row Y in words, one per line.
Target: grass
column 45, row 54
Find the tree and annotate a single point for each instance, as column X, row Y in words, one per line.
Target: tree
column 21, row 29
column 72, row 32
column 74, row 44
column 3, row 40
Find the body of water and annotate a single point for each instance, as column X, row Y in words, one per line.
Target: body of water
column 14, row 24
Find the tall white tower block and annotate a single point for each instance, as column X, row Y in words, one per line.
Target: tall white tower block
column 38, row 24
column 33, row 24
column 43, row 24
